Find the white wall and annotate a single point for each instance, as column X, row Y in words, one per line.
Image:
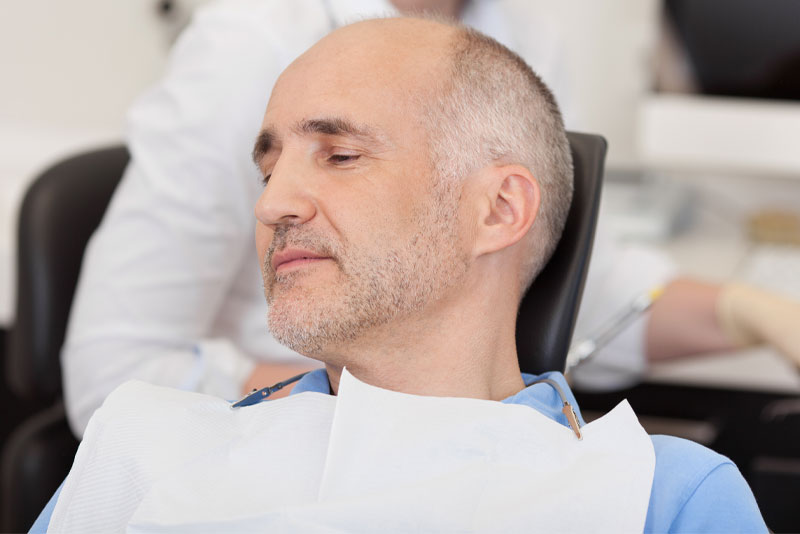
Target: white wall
column 77, row 62
column 609, row 46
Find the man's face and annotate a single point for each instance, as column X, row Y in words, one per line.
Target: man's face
column 354, row 231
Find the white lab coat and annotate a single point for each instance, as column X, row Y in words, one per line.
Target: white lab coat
column 170, row 291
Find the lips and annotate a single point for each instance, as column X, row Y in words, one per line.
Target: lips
column 294, row 257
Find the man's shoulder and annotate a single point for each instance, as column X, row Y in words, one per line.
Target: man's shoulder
column 685, row 459
column 697, row 489
column 682, row 466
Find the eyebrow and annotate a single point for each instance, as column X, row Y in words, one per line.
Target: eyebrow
column 265, row 142
column 267, row 139
column 334, row 126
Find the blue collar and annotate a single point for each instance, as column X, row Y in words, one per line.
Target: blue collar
column 542, row 397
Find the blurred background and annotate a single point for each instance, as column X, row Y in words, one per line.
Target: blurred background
column 700, row 103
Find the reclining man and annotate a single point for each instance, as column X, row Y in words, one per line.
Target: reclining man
column 417, row 178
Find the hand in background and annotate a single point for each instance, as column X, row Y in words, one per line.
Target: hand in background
column 750, row 316
column 694, row 317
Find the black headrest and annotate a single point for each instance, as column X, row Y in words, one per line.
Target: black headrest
column 547, row 314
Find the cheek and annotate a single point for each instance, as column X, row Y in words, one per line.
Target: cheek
column 263, row 240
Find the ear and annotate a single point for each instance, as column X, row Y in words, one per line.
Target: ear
column 509, row 206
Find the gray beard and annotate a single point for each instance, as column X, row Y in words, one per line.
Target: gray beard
column 371, row 290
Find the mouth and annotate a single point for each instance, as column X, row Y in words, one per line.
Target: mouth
column 295, row 258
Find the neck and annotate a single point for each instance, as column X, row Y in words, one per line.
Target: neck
column 461, row 347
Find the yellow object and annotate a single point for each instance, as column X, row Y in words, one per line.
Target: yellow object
column 774, row 226
column 655, row 293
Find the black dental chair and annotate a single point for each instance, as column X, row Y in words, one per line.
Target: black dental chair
column 60, row 212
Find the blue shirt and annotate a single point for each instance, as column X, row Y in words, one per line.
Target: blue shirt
column 694, row 489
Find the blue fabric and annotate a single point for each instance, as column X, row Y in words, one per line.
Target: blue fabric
column 316, row 381
column 697, row 490
column 42, row 522
column 694, row 488
column 544, row 398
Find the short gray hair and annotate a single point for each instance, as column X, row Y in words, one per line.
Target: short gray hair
column 492, row 108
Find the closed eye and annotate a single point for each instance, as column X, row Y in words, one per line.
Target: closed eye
column 343, row 158
column 336, row 159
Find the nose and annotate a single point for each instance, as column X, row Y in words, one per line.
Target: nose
column 287, row 198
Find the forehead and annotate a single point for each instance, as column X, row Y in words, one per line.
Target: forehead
column 375, row 73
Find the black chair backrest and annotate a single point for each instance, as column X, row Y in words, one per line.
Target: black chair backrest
column 59, row 213
column 547, row 314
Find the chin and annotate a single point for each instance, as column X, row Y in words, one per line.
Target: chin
column 297, row 323
column 313, row 324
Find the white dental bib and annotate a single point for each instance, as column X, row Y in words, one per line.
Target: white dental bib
column 370, row 460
